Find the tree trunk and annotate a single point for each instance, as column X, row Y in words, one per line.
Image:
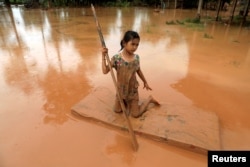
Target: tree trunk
column 218, row 10
column 246, row 11
column 199, row 9
column 232, row 13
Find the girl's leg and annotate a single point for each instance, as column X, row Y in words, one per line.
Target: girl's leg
column 137, row 111
column 117, row 106
column 146, row 103
column 134, row 108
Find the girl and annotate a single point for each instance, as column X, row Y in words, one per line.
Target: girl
column 127, row 64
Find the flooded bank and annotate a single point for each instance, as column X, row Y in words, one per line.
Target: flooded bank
column 50, row 60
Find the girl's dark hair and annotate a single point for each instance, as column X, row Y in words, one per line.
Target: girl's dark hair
column 129, row 35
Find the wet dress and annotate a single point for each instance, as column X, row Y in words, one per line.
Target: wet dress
column 126, row 79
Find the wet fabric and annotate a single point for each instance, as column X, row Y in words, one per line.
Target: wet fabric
column 126, row 76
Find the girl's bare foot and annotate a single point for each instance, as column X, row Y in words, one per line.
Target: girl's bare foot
column 152, row 100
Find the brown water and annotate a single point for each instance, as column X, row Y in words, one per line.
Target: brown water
column 50, row 60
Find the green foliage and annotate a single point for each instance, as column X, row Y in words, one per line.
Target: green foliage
column 207, row 36
column 176, row 22
column 16, row 1
column 194, row 23
column 172, row 22
column 180, row 22
column 219, row 18
column 237, row 19
column 117, row 3
column 193, row 20
column 138, row 2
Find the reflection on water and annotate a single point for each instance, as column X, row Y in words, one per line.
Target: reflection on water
column 50, row 60
column 140, row 20
column 43, row 60
column 120, row 146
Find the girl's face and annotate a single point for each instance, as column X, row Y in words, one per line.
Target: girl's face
column 132, row 45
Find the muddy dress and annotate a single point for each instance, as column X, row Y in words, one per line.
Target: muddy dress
column 126, row 82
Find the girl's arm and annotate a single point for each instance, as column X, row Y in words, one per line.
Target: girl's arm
column 140, row 74
column 105, row 67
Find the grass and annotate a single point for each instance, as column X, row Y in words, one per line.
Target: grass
column 208, row 36
column 195, row 23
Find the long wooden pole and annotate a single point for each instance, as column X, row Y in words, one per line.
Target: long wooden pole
column 125, row 112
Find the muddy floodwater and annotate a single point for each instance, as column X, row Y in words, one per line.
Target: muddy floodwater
column 50, row 60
